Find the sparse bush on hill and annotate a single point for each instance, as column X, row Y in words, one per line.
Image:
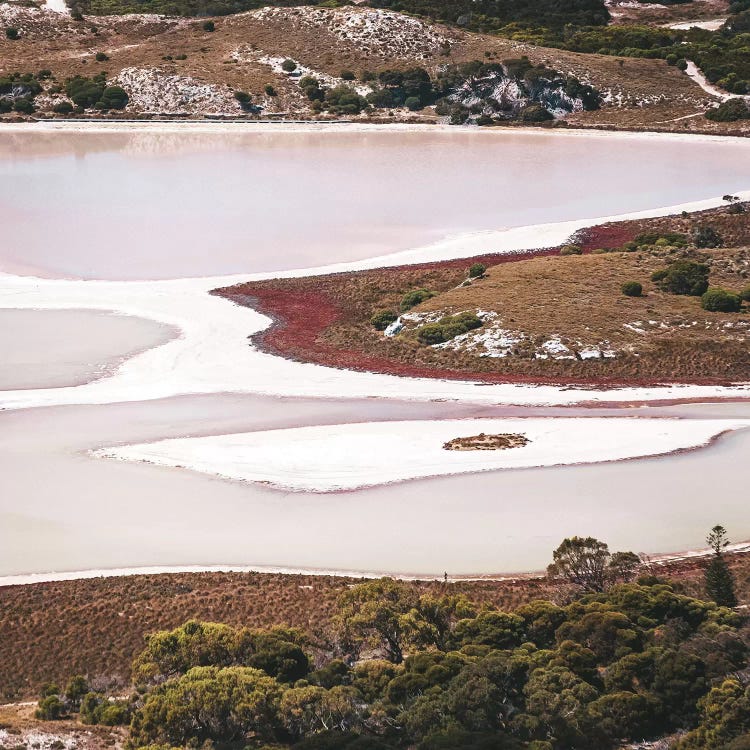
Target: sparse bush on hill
column 476, row 270
column 209, row 26
column 632, row 289
column 382, row 319
column 683, row 277
column 414, row 297
column 288, row 66
column 671, row 239
column 101, row 57
column 448, row 328
column 720, row 300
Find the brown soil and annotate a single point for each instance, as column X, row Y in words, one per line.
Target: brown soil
column 484, row 442
column 325, row 319
column 653, row 95
column 96, row 627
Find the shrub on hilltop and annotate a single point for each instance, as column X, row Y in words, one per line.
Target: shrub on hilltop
column 415, row 297
column 683, row 277
column 632, row 289
column 448, row 328
column 720, row 300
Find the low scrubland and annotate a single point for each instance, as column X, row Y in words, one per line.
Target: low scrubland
column 606, row 648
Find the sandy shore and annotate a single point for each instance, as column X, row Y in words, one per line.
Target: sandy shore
column 333, row 458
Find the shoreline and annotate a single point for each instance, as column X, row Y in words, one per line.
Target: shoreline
column 29, row 579
column 211, row 354
column 304, row 126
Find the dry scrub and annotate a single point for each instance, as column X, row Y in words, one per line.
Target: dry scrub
column 484, row 442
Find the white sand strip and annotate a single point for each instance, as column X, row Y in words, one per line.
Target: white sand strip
column 712, row 24
column 352, row 456
column 213, row 355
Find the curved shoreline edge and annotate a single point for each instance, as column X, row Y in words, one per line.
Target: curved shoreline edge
column 211, row 354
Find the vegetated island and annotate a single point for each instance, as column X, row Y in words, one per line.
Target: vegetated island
column 630, row 303
column 605, row 650
column 483, row 442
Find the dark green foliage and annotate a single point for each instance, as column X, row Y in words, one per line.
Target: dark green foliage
column 85, row 92
column 476, row 270
column 50, row 708
column 243, row 98
column 98, row 709
column 683, row 277
column 729, row 111
column 720, row 300
column 63, row 108
column 582, row 562
column 209, row 26
column 632, row 289
column 11, row 32
column 382, row 319
column 76, row 688
column 535, row 113
column 113, row 97
column 671, row 239
column 347, row 75
column 23, row 105
column 288, row 66
column 344, row 100
column 270, row 90
column 706, row 236
column 719, row 582
column 414, row 297
column 448, row 328
column 745, row 294
column 101, row 57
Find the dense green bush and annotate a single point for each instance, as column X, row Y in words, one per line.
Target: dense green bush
column 447, row 328
column 632, row 289
column 720, row 300
column 288, row 66
column 113, row 97
column 683, row 277
column 414, row 297
column 85, row 92
column 671, row 239
column 209, row 26
column 50, row 708
column 535, row 113
column 344, row 100
column 63, row 108
column 476, row 270
column 11, row 32
column 382, row 319
column 729, row 111
column 101, row 57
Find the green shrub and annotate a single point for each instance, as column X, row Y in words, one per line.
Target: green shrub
column 672, row 239
column 632, row 289
column 720, row 300
column 24, row 106
column 101, row 57
column 63, row 108
column 745, row 294
column 11, row 32
column 288, row 66
column 382, row 319
column 413, row 103
column 347, row 75
column 414, row 297
column 448, row 328
column 344, row 100
column 571, row 250
column 243, row 98
column 270, row 90
column 50, row 708
column 682, row 277
column 729, row 111
column 476, row 270
column 535, row 113
column 209, row 26
column 85, row 92
column 113, row 97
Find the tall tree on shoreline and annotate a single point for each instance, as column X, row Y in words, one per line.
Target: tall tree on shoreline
column 719, row 580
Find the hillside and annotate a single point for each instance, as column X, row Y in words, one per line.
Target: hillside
column 176, row 67
column 555, row 315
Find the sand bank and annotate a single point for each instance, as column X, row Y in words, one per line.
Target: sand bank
column 349, row 457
